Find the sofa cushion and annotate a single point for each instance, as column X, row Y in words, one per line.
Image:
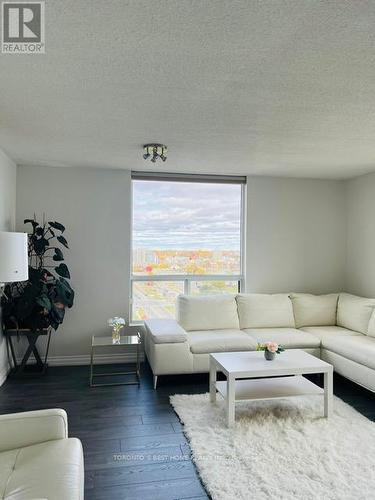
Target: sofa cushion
column 203, row 342
column 324, row 332
column 257, row 310
column 289, row 338
column 360, row 349
column 52, row 470
column 210, row 312
column 314, row 310
column 354, row 312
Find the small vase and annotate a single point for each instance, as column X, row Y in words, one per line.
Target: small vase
column 270, row 356
column 116, row 335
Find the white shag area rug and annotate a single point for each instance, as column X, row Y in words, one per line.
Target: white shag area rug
column 282, row 449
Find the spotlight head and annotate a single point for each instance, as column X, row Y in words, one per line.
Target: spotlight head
column 153, row 151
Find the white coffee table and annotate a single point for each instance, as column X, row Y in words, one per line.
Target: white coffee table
column 247, row 378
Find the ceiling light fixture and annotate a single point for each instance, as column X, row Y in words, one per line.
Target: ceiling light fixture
column 155, row 151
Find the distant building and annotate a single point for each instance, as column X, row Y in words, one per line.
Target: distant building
column 142, row 257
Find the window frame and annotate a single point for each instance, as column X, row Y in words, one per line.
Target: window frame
column 188, row 278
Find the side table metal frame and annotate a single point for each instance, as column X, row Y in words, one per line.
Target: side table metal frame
column 137, row 372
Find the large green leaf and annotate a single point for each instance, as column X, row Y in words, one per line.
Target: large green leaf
column 63, row 241
column 44, row 301
column 58, row 255
column 56, row 317
column 62, row 270
column 31, row 221
column 57, row 225
column 64, row 292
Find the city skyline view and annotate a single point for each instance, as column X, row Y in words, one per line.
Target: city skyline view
column 151, row 262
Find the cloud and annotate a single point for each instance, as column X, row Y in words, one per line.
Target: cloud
column 186, row 215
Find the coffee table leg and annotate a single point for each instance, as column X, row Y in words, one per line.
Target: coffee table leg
column 230, row 401
column 328, row 393
column 212, row 381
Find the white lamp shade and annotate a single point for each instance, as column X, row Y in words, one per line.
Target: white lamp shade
column 13, row 257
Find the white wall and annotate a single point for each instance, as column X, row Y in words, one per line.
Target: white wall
column 296, row 235
column 94, row 205
column 295, row 240
column 7, row 223
column 360, row 267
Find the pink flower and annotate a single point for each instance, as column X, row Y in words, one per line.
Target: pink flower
column 272, row 346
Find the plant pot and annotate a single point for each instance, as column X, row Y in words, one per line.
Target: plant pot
column 270, row 356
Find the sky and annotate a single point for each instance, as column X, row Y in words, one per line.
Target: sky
column 184, row 215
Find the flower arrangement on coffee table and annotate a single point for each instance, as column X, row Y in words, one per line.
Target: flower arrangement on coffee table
column 270, row 350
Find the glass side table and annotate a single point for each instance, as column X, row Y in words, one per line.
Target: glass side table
column 125, row 340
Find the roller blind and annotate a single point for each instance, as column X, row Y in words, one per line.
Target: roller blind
column 180, row 177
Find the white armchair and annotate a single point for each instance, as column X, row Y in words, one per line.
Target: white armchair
column 37, row 459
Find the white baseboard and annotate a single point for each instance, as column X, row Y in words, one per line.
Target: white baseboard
column 100, row 359
column 83, row 359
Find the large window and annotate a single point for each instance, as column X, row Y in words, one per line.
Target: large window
column 186, row 238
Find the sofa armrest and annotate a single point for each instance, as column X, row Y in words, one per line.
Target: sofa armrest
column 18, row 430
column 165, row 331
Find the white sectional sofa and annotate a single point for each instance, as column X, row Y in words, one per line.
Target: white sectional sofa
column 339, row 328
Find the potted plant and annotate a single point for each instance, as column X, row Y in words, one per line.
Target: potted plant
column 270, row 350
column 40, row 302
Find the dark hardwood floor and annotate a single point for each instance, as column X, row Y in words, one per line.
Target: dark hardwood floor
column 133, row 441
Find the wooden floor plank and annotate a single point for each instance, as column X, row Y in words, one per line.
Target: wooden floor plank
column 139, row 474
column 149, row 442
column 167, row 454
column 159, row 490
column 121, row 431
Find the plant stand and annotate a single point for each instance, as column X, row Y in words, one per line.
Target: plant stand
column 24, row 369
